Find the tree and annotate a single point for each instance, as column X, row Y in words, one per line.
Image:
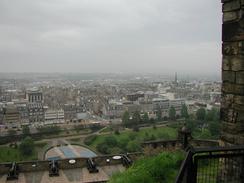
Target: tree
column 172, row 113
column 54, row 129
column 26, row 131
column 110, row 141
column 136, row 118
column 145, row 117
column 212, row 115
column 126, row 119
column 159, row 114
column 201, row 114
column 103, row 148
column 214, row 128
column 27, row 146
column 136, row 128
column 116, row 131
column 133, row 146
column 191, row 124
column 122, row 143
column 184, row 111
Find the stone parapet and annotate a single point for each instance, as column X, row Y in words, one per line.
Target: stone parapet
column 232, row 106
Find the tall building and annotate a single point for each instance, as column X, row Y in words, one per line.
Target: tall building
column 176, row 79
column 11, row 116
column 36, row 112
column 34, row 96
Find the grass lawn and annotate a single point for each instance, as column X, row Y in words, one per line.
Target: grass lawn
column 161, row 168
column 10, row 154
column 143, row 134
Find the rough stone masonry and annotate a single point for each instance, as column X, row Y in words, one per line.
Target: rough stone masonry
column 232, row 106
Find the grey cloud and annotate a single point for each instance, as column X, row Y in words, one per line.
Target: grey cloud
column 110, row 36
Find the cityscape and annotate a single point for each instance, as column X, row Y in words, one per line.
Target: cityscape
column 121, row 91
column 88, row 115
column 63, row 100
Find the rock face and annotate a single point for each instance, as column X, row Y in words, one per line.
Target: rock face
column 232, row 106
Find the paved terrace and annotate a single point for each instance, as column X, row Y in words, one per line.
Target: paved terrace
column 38, row 171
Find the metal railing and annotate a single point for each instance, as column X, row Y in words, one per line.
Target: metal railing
column 213, row 165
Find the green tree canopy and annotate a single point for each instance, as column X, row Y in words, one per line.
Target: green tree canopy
column 133, row 146
column 172, row 113
column 201, row 114
column 103, row 148
column 184, row 111
column 26, row 130
column 145, row 117
column 136, row 118
column 27, row 146
column 191, row 124
column 126, row 119
column 214, row 128
column 110, row 141
column 212, row 115
column 159, row 114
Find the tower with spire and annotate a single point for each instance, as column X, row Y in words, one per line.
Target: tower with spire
column 176, row 79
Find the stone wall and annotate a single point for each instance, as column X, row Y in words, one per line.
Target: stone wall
column 232, row 107
column 32, row 166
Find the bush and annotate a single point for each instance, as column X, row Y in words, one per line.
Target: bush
column 111, row 141
column 122, row 143
column 132, row 136
column 49, row 129
column 26, row 146
column 116, row 132
column 133, row 146
column 103, row 148
column 25, row 131
column 161, row 168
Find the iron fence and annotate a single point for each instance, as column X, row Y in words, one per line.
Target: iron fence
column 213, row 165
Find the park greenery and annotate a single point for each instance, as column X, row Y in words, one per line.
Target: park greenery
column 26, row 146
column 128, row 140
column 206, row 124
column 26, row 150
column 53, row 129
column 161, row 168
column 25, row 131
column 132, row 120
column 172, row 113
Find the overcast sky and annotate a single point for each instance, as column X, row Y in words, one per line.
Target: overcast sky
column 152, row 36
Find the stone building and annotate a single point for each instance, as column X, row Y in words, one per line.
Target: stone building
column 232, row 106
column 54, row 116
column 36, row 112
column 135, row 96
column 34, row 96
column 177, row 104
column 1, row 115
column 70, row 111
column 24, row 113
column 11, row 116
